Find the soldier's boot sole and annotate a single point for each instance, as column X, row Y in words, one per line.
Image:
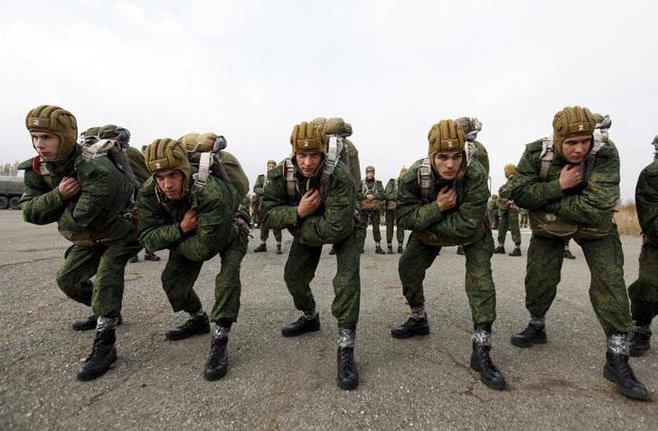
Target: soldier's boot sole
column 85, row 375
column 525, row 342
column 635, row 393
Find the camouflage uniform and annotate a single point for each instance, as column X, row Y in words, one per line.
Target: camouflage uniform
column 259, row 188
column 391, row 192
column 508, row 218
column 375, row 188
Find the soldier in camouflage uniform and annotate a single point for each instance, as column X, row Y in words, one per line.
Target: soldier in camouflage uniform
column 318, row 209
column 195, row 223
column 391, row 193
column 443, row 200
column 508, row 216
column 371, row 199
column 134, row 156
column 90, row 198
column 570, row 185
column 644, row 291
column 261, row 181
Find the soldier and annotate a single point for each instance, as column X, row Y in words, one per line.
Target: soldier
column 508, row 216
column 442, row 200
column 246, row 204
column 523, row 218
column 371, row 198
column 492, row 211
column 261, row 182
column 570, row 185
column 391, row 193
column 644, row 291
column 255, row 210
column 314, row 197
column 134, row 156
column 195, row 223
column 89, row 197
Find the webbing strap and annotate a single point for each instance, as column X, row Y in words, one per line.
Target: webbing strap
column 425, row 179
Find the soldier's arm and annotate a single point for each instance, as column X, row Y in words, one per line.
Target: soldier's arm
column 276, row 209
column 646, row 200
column 213, row 231
column 156, row 232
column 39, row 204
column 410, row 212
column 359, row 192
column 258, row 187
column 595, row 203
column 379, row 191
column 527, row 189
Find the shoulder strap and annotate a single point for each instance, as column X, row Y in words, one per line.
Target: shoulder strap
column 289, row 175
column 333, row 153
column 201, row 177
column 425, row 179
column 546, row 158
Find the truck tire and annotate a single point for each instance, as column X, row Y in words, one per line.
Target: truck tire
column 14, row 202
column 4, row 202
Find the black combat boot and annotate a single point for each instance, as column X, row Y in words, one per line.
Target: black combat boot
column 149, row 255
column 619, row 371
column 400, row 249
column 534, row 333
column 333, row 250
column 301, row 326
column 278, row 248
column 217, row 363
column 499, row 250
column 261, row 248
column 481, row 361
column 379, row 250
column 133, row 259
column 567, row 254
column 460, row 250
column 412, row 327
column 90, row 323
column 389, row 249
column 516, row 251
column 348, row 375
column 639, row 340
column 192, row 326
column 102, row 355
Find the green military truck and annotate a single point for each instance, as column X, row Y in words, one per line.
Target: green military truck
column 11, row 189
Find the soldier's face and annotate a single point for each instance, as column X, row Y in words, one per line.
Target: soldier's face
column 308, row 163
column 46, row 144
column 370, row 175
column 575, row 149
column 171, row 183
column 448, row 164
column 271, row 166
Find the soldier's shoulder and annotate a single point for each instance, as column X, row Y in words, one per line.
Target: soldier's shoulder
column 535, row 146
column 148, row 188
column 476, row 170
column 411, row 174
column 25, row 164
column 651, row 170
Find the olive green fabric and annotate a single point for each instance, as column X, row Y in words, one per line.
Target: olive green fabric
column 308, row 137
column 572, row 121
column 259, row 190
column 167, row 154
column 55, row 120
column 216, row 233
column 107, row 263
column 137, row 163
column 390, row 227
column 349, row 153
column 482, row 155
column 646, row 200
column 391, row 192
column 508, row 216
column 607, row 289
column 333, row 223
column 376, row 188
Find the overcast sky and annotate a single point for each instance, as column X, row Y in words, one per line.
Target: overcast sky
column 251, row 69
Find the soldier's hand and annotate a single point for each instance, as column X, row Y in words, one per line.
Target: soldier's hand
column 370, row 197
column 446, row 199
column 310, row 202
column 68, row 187
column 190, row 220
column 570, row 177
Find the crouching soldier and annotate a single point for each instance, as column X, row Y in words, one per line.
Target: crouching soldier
column 90, row 197
column 314, row 197
column 443, row 201
column 570, row 185
column 644, row 291
column 195, row 222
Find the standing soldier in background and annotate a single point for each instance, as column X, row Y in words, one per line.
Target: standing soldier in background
column 88, row 191
column 508, row 216
column 195, row 219
column 644, row 291
column 314, row 197
column 371, row 199
column 523, row 218
column 443, row 200
column 259, row 188
column 570, row 185
column 492, row 211
column 391, row 193
column 246, row 203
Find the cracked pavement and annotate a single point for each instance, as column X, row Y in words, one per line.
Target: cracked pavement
column 277, row 383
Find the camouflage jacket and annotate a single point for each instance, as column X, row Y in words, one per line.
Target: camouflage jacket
column 588, row 204
column 391, row 191
column 459, row 222
column 105, row 193
column 259, row 187
column 646, row 200
column 375, row 187
column 504, row 202
column 330, row 224
column 159, row 219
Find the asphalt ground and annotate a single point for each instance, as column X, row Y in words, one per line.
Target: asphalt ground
column 277, row 383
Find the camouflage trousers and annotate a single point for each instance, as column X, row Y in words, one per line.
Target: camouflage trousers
column 390, row 225
column 300, row 269
column 607, row 289
column 644, row 291
column 373, row 217
column 418, row 257
column 108, row 264
column 180, row 274
column 509, row 219
column 265, row 233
